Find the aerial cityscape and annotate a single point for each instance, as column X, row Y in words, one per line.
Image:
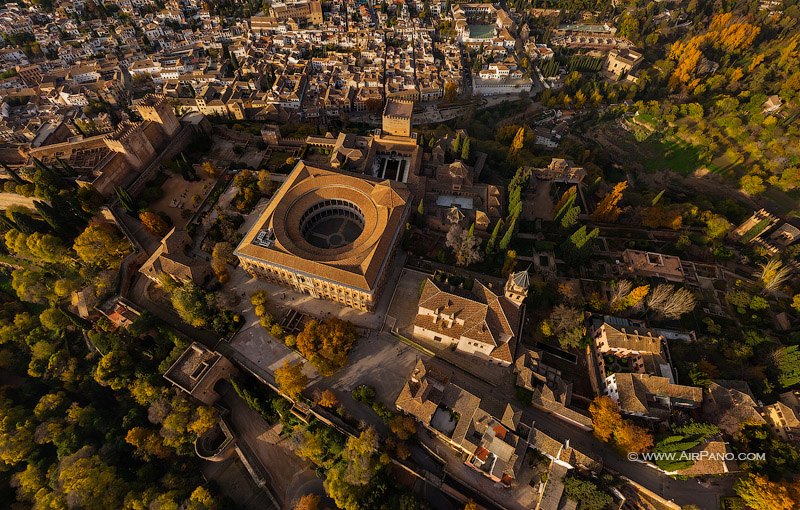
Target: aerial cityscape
column 400, row 255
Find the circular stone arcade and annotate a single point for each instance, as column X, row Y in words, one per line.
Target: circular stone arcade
column 332, row 223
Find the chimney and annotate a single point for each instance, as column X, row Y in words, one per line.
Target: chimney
column 566, row 444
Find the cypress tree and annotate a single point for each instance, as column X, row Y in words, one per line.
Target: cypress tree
column 48, row 215
column 465, row 150
column 13, row 174
column 657, row 197
column 26, row 224
column 67, row 167
column 78, row 322
column 6, row 224
column 506, row 240
column 493, row 238
column 570, row 217
column 579, row 237
column 566, row 206
column 125, row 199
column 41, row 166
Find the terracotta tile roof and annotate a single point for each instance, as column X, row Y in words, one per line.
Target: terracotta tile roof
column 544, row 443
column 479, row 317
column 635, row 389
column 634, row 339
column 171, row 259
column 544, row 398
column 576, row 458
column 711, row 464
column 502, row 352
column 730, row 404
column 482, row 453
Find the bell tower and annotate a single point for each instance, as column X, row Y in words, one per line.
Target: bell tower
column 517, row 287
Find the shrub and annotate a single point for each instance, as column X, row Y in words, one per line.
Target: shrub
column 365, row 394
column 382, row 411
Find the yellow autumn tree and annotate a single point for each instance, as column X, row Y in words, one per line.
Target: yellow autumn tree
column 328, row 399
column 607, row 209
column 632, row 438
column 519, row 140
column 605, row 416
column 291, row 379
column 210, row 169
column 308, row 502
column 759, row 493
column 154, row 223
column 636, row 297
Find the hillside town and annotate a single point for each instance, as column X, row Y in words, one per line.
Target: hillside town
column 406, row 255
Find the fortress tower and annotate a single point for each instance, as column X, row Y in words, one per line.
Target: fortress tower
column 397, row 117
column 155, row 108
column 130, row 140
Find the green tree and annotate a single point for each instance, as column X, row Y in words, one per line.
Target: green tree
column 359, row 454
column 566, row 323
column 508, row 264
column 759, row 493
column 89, row 482
column 30, row 286
column 576, row 249
column 114, row 370
column 125, row 200
column 101, row 245
column 717, row 226
column 54, row 319
column 587, row 493
column 786, row 363
column 752, row 184
column 16, row 433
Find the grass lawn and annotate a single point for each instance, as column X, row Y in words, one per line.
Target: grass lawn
column 677, row 156
column 646, row 118
column 278, row 158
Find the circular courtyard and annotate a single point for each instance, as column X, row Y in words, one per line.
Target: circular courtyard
column 332, row 224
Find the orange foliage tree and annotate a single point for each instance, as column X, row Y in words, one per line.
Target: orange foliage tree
column 154, row 223
column 610, row 427
column 326, row 344
column 328, row 399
